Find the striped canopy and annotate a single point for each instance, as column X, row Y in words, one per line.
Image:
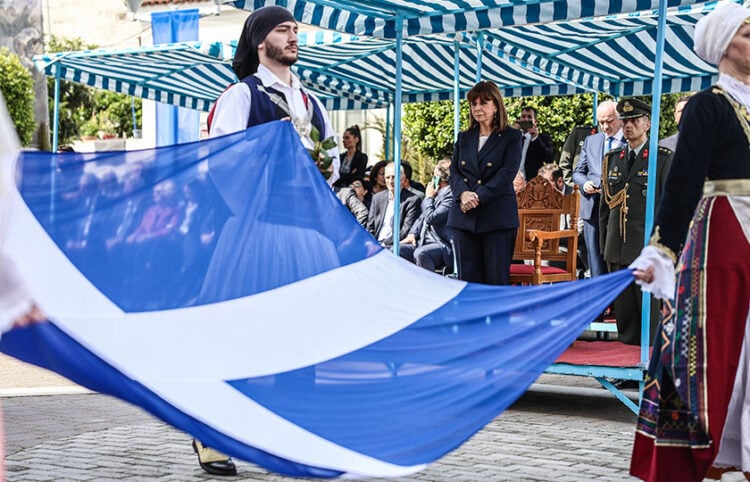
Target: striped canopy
column 613, row 54
column 378, row 18
column 182, row 74
column 177, row 74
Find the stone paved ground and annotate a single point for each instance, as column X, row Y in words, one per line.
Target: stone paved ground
column 563, row 429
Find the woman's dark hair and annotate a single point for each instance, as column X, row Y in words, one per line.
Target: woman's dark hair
column 376, row 168
column 488, row 92
column 354, row 131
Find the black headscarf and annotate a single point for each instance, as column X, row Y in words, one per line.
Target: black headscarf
column 257, row 26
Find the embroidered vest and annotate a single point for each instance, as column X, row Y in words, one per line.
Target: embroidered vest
column 265, row 110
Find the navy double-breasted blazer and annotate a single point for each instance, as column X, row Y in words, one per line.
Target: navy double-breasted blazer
column 489, row 172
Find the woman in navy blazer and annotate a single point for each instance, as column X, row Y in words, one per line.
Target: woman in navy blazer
column 484, row 214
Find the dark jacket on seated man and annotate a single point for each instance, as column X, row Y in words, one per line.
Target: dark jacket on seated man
column 432, row 236
column 381, row 228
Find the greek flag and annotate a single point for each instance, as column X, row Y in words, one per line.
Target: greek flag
column 222, row 286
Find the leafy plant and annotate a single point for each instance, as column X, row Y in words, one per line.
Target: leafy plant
column 319, row 152
column 17, row 87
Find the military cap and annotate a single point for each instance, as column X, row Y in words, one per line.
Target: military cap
column 630, row 108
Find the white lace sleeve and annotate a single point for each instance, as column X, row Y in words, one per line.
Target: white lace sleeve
column 663, row 284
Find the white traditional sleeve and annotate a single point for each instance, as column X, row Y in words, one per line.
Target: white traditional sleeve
column 232, row 110
column 663, row 284
column 15, row 300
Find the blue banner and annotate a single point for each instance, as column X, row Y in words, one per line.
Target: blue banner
column 175, row 125
column 222, row 286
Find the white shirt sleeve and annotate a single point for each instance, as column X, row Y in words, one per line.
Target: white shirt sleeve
column 231, row 111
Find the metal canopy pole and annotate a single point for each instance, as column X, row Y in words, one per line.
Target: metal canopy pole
column 55, row 138
column 596, row 106
column 387, row 132
column 480, row 49
column 56, row 116
column 652, row 151
column 456, row 91
column 397, row 135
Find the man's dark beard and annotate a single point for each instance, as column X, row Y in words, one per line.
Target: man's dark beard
column 277, row 54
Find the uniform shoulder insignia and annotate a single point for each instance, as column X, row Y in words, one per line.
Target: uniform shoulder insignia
column 664, row 150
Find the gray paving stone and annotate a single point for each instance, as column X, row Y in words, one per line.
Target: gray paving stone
column 546, row 435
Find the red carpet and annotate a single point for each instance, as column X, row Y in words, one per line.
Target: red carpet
column 602, row 353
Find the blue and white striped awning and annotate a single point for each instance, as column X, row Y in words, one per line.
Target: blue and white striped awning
column 181, row 74
column 176, row 74
column 613, row 54
column 378, row 18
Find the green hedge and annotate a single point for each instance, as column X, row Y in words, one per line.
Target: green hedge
column 17, row 86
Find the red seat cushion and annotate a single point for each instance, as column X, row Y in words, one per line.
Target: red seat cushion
column 529, row 269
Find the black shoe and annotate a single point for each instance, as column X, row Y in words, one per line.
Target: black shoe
column 212, row 461
column 626, row 384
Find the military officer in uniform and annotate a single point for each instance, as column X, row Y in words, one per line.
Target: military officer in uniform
column 622, row 214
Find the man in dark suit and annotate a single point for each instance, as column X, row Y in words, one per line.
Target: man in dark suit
column 537, row 148
column 380, row 220
column 588, row 176
column 623, row 211
column 571, row 151
column 428, row 244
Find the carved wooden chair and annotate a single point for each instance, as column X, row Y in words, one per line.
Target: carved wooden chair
column 542, row 211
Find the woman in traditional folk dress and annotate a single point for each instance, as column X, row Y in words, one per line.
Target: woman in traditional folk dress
column 690, row 424
column 17, row 308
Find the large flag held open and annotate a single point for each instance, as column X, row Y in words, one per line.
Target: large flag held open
column 223, row 287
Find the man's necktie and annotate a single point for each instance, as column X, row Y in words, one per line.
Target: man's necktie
column 631, row 160
column 610, row 143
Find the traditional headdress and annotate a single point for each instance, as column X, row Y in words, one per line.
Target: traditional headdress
column 714, row 31
column 257, row 26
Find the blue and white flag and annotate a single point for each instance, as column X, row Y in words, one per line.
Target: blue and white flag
column 223, row 287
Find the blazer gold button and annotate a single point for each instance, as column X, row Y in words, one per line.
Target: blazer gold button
column 489, row 164
column 479, row 181
column 463, row 163
column 466, row 180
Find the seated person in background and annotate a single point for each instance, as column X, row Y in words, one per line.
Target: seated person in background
column 554, row 175
column 377, row 179
column 86, row 200
column 428, row 244
column 348, row 197
column 153, row 247
column 161, row 218
column 380, row 220
column 412, row 185
column 361, row 188
column 128, row 214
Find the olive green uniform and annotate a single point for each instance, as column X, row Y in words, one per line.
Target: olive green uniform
column 622, row 218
